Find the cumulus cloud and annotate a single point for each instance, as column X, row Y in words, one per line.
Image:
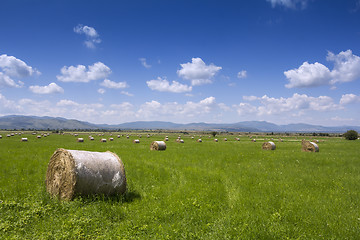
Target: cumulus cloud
column 82, row 74
column 144, row 63
column 293, row 4
column 346, row 69
column 198, row 72
column 115, row 85
column 92, row 37
column 163, row 85
column 242, row 74
column 298, row 104
column 308, row 75
column 101, row 91
column 349, row 98
column 127, row 93
column 49, row 89
column 12, row 67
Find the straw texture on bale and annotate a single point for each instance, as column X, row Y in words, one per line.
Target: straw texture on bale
column 269, row 146
column 73, row 172
column 308, row 146
column 158, row 145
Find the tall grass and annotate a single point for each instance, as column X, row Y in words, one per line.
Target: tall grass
column 208, row 190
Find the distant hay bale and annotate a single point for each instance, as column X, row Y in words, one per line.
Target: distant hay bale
column 103, row 140
column 158, row 145
column 127, row 137
column 8, row 135
column 192, row 137
column 166, row 139
column 308, row 146
column 75, row 134
column 181, row 141
column 215, row 140
column 111, row 139
column 91, row 138
column 237, row 139
column 225, row 139
column 24, row 139
column 0, row 136
column 253, row 140
column 269, row 146
column 72, row 172
column 199, row 140
column 80, row 140
column 136, row 141
column 118, row 136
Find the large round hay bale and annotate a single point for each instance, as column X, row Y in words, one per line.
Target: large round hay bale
column 158, row 145
column 103, row 140
column 215, row 140
column 111, row 139
column 73, row 172
column 136, row 141
column 24, row 139
column 199, row 140
column 80, row 140
column 269, row 146
column 308, row 146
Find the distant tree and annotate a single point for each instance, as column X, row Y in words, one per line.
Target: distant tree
column 214, row 133
column 351, row 135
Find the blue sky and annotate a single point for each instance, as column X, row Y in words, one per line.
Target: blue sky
column 282, row 61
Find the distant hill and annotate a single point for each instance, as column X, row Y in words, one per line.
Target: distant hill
column 44, row 123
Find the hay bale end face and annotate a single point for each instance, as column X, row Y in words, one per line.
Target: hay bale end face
column 308, row 146
column 73, row 172
column 158, row 145
column 269, row 146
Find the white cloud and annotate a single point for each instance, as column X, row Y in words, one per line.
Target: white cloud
column 49, row 89
column 101, row 90
column 298, row 104
column 349, row 98
column 6, row 81
column 66, row 102
column 346, row 66
column 92, row 37
column 14, row 67
column 81, row 74
column 127, row 93
column 308, row 75
column 163, row 85
column 143, row 62
column 8, row 106
column 293, row 4
column 115, row 85
column 346, row 69
column 242, row 74
column 198, row 72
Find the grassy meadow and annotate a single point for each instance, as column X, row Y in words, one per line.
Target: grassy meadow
column 210, row 190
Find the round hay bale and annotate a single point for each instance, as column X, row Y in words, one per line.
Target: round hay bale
column 8, row 135
column 253, row 140
column 118, row 136
column 181, row 141
column 158, row 145
column 103, row 140
column 215, row 140
column 199, row 140
column 166, row 139
column 269, row 146
column 73, row 172
column 24, row 139
column 111, row 139
column 80, row 140
column 308, row 146
column 0, row 136
column 237, row 139
column 38, row 136
column 136, row 141
column 91, row 138
column 225, row 139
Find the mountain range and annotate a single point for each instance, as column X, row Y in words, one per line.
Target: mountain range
column 51, row 123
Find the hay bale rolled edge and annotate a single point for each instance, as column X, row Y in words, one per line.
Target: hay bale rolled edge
column 158, row 145
column 269, row 146
column 308, row 146
column 73, row 172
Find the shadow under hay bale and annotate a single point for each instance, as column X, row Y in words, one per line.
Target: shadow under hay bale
column 269, row 146
column 308, row 146
column 158, row 145
column 73, row 172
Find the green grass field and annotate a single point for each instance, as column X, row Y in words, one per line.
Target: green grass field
column 208, row 190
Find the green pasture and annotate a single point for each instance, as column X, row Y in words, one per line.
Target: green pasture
column 210, row 190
